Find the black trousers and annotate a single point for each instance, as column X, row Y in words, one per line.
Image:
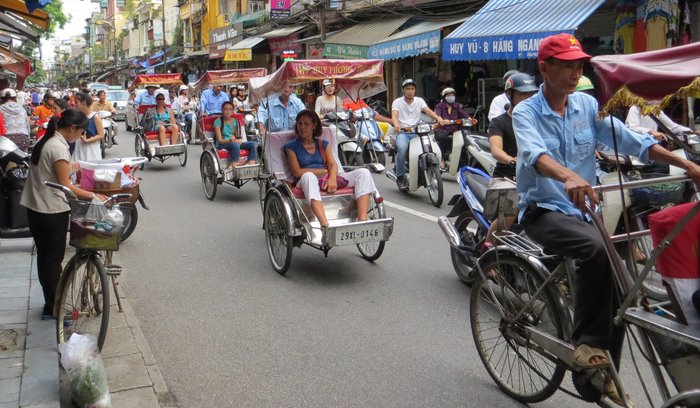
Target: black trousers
column 49, row 232
column 444, row 140
column 595, row 298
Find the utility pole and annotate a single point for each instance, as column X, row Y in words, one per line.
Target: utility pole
column 162, row 19
column 322, row 22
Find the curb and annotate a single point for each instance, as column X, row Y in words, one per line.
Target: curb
column 165, row 398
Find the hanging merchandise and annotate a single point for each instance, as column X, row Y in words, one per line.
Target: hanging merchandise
column 657, row 14
column 685, row 31
column 623, row 42
column 640, row 33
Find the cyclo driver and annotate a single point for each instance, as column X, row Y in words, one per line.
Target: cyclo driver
column 556, row 132
column 405, row 113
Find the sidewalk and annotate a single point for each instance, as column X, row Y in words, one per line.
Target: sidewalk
column 30, row 375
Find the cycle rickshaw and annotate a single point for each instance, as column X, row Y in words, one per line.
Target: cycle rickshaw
column 520, row 307
column 146, row 143
column 212, row 164
column 287, row 219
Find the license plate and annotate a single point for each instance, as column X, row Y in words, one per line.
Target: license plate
column 357, row 234
column 171, row 149
column 246, row 172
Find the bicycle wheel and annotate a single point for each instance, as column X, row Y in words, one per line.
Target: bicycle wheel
column 641, row 251
column 518, row 366
column 372, row 250
column 207, row 171
column 82, row 301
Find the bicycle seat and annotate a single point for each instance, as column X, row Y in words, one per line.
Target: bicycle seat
column 478, row 184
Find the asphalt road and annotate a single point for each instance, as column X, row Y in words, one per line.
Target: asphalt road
column 227, row 331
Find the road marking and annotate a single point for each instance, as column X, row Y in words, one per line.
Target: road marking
column 411, row 211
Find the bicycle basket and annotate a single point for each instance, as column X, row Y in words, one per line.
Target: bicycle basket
column 95, row 227
column 658, row 194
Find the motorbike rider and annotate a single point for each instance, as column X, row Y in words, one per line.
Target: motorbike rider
column 16, row 120
column 184, row 103
column 282, row 111
column 43, row 111
column 498, row 104
column 212, row 100
column 556, row 130
column 518, row 87
column 448, row 109
column 405, row 113
column 102, row 104
column 645, row 124
column 241, row 100
column 329, row 101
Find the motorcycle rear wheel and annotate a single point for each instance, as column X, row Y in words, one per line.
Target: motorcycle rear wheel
column 471, row 233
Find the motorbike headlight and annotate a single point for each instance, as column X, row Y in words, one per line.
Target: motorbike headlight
column 424, row 128
column 693, row 139
column 344, row 115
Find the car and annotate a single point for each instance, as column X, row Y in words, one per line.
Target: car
column 132, row 109
column 120, row 99
column 97, row 86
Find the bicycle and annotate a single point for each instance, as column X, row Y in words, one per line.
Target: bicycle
column 521, row 320
column 82, row 302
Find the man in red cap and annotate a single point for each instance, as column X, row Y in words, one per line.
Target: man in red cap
column 556, row 132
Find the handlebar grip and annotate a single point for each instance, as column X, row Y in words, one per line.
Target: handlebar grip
column 120, row 195
column 61, row 187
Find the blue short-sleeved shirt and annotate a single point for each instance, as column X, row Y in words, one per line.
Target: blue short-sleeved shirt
column 211, row 103
column 570, row 140
column 281, row 117
column 144, row 98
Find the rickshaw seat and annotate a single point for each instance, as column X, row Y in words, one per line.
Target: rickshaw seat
column 224, row 154
column 150, row 136
column 277, row 158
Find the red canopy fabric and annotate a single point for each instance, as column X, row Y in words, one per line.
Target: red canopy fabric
column 226, row 77
column 651, row 76
column 156, row 79
column 354, row 78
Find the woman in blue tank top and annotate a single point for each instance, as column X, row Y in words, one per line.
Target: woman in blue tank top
column 311, row 158
column 165, row 120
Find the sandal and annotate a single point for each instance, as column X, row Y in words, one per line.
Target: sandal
column 610, row 391
column 583, row 355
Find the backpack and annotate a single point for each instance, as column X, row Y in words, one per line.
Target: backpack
column 148, row 121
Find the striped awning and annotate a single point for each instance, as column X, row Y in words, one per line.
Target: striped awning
column 513, row 29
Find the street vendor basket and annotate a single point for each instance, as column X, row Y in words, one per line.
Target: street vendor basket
column 657, row 194
column 96, row 227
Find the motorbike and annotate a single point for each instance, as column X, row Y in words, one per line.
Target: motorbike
column 370, row 138
column 469, row 149
column 471, row 225
column 110, row 131
column 423, row 162
column 346, row 134
column 249, row 114
column 14, row 170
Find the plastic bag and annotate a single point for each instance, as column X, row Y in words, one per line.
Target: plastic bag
column 96, row 210
column 88, row 380
column 113, row 219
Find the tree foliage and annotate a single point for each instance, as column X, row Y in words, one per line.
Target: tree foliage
column 58, row 18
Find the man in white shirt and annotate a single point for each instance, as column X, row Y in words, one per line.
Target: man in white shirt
column 645, row 124
column 498, row 104
column 405, row 112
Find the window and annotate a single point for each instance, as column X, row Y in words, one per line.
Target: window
column 255, row 6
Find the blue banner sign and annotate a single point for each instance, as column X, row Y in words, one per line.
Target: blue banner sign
column 504, row 47
column 425, row 43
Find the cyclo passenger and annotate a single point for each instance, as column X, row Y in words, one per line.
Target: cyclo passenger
column 227, row 131
column 405, row 112
column 315, row 169
column 165, row 120
column 282, row 111
column 556, row 131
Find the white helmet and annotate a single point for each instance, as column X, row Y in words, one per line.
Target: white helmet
column 182, row 88
column 447, row 91
column 9, row 93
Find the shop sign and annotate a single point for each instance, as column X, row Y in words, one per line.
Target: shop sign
column 425, row 43
column 280, row 9
column 345, row 51
column 314, row 51
column 280, row 44
column 222, row 39
column 503, row 47
column 239, row 55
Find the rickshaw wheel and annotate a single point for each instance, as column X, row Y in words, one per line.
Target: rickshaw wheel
column 208, row 172
column 279, row 244
column 138, row 148
column 371, row 251
column 183, row 157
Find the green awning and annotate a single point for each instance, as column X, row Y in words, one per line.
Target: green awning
column 354, row 42
column 250, row 19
